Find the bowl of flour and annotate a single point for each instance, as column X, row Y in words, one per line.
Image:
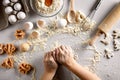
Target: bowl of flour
column 47, row 8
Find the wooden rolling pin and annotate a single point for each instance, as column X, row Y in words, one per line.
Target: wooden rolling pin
column 107, row 23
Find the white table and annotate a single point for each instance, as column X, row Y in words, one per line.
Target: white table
column 106, row 69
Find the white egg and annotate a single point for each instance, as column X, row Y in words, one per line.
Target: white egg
column 17, row 6
column 6, row 2
column 12, row 19
column 62, row 23
column 14, row 0
column 8, row 10
column 21, row 15
column 28, row 25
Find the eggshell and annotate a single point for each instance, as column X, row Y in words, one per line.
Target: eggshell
column 17, row 6
column 28, row 25
column 40, row 23
column 8, row 10
column 6, row 2
column 12, row 19
column 35, row 34
column 21, row 15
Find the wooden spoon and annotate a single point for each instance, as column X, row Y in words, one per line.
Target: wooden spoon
column 71, row 15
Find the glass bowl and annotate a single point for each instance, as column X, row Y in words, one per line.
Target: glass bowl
column 53, row 13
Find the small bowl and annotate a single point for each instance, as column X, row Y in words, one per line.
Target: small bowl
column 32, row 3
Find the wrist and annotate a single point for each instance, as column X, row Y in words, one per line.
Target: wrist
column 47, row 75
column 70, row 64
column 50, row 72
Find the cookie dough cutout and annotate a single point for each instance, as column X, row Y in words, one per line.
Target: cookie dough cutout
column 1, row 49
column 19, row 34
column 10, row 49
column 25, row 68
column 8, row 63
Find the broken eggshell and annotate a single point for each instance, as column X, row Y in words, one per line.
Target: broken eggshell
column 28, row 26
column 12, row 19
column 35, row 35
column 21, row 15
column 40, row 23
column 6, row 2
column 62, row 22
column 17, row 6
column 8, row 10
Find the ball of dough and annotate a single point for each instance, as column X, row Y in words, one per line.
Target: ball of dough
column 62, row 23
column 14, row 0
column 8, row 10
column 21, row 15
column 25, row 47
column 12, row 19
column 6, row 2
column 28, row 25
column 17, row 6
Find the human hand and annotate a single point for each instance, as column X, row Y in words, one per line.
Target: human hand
column 49, row 63
column 64, row 55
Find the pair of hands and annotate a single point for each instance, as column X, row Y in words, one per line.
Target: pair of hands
column 61, row 55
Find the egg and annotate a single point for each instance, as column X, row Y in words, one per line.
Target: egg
column 40, row 23
column 12, row 19
column 6, row 2
column 21, row 15
column 14, row 0
column 17, row 6
column 28, row 25
column 24, row 47
column 62, row 23
column 8, row 10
